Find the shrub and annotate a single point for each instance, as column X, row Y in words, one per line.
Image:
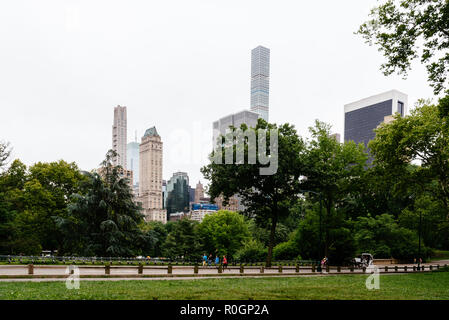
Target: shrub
column 252, row 251
column 286, row 251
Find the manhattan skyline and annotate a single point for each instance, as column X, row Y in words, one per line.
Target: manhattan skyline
column 173, row 67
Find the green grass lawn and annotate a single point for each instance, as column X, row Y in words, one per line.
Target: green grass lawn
column 392, row 287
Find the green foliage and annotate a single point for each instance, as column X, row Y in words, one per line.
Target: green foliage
column 5, row 152
column 286, row 251
column 333, row 170
column 252, row 251
column 103, row 219
column 404, row 30
column 341, row 244
column 262, row 233
column 267, row 198
column 384, row 238
column 183, row 241
column 421, row 136
column 31, row 201
column 223, row 232
column 156, row 235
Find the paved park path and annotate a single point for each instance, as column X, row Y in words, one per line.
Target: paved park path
column 19, row 273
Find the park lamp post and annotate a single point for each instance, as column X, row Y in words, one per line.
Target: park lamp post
column 321, row 209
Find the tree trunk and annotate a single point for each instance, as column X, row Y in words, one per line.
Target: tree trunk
column 272, row 235
column 326, row 227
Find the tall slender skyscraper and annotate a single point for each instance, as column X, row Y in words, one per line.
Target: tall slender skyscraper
column 260, row 81
column 119, row 136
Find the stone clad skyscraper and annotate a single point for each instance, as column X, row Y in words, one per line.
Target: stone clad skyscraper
column 260, row 81
column 150, row 176
column 119, row 136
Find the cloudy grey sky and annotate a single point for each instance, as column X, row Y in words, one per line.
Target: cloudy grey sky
column 177, row 65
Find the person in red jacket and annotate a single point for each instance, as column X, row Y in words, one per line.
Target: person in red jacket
column 225, row 262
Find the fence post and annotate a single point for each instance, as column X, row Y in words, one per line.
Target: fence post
column 414, row 268
column 430, row 267
column 364, row 269
column 338, row 269
column 140, row 269
column 280, row 269
column 30, row 269
column 262, row 269
column 395, row 268
column 351, row 268
column 405, row 268
column 242, row 269
column 386, row 268
column 297, row 268
column 169, row 269
column 220, row 270
column 313, row 268
column 107, row 269
column 327, row 268
column 195, row 269
column 438, row 266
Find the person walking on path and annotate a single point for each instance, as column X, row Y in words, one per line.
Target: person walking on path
column 217, row 260
column 225, row 263
column 210, row 260
column 204, row 260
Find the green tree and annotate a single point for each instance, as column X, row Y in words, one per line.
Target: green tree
column 286, row 251
column 332, row 170
column 341, row 245
column 5, row 152
column 421, row 137
column 251, row 251
column 384, row 238
column 183, row 241
column 405, row 30
column 103, row 220
column 267, row 198
column 156, row 235
column 223, row 232
column 31, row 200
column 12, row 182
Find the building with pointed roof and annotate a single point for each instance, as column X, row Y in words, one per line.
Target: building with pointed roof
column 150, row 176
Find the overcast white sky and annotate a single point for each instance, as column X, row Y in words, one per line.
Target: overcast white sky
column 179, row 66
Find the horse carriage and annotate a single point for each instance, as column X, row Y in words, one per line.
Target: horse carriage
column 364, row 260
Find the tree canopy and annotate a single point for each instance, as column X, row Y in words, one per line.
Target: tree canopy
column 405, row 30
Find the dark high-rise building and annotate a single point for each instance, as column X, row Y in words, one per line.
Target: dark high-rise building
column 363, row 116
column 178, row 193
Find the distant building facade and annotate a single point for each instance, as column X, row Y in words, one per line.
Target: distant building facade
column 363, row 116
column 260, row 81
column 199, row 192
column 178, row 193
column 150, row 176
column 220, row 126
column 199, row 211
column 119, row 136
column 233, row 203
column 132, row 159
column 191, row 194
